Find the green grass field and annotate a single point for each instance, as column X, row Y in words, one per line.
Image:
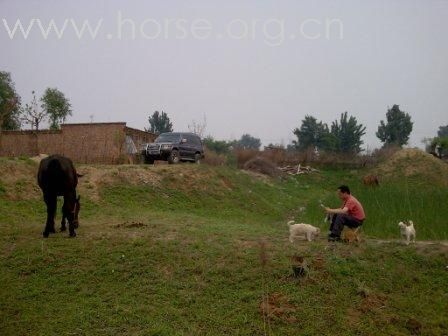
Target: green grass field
column 199, row 258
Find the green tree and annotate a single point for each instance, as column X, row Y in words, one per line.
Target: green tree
column 312, row 134
column 248, row 142
column 56, row 106
column 218, row 146
column 443, row 131
column 397, row 129
column 346, row 135
column 159, row 123
column 9, row 103
column 439, row 146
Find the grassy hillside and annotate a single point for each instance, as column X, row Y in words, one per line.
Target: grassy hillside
column 220, row 192
column 196, row 250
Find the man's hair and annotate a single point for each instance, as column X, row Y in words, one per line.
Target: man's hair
column 344, row 189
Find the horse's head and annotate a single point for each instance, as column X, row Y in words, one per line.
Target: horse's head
column 76, row 209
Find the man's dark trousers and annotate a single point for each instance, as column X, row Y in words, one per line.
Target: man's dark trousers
column 339, row 220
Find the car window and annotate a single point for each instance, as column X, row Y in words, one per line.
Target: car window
column 195, row 140
column 168, row 137
column 190, row 139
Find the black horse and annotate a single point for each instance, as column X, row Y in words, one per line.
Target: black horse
column 57, row 177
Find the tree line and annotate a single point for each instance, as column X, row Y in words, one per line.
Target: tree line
column 343, row 135
column 54, row 107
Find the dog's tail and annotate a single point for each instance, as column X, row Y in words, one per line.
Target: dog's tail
column 291, row 222
column 411, row 223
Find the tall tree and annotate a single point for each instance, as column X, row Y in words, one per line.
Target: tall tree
column 397, row 128
column 312, row 134
column 248, row 142
column 9, row 103
column 56, row 106
column 32, row 115
column 159, row 123
column 347, row 134
column 443, row 131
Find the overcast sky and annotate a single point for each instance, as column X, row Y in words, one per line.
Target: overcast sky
column 254, row 67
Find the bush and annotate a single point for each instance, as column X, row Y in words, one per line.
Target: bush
column 217, row 146
column 324, row 159
column 214, row 159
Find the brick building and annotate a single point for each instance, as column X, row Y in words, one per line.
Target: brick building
column 85, row 143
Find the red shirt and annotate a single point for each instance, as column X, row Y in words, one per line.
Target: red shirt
column 355, row 208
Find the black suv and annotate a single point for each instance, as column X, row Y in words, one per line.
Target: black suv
column 174, row 147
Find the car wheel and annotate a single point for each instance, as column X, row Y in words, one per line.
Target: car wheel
column 174, row 157
column 197, row 158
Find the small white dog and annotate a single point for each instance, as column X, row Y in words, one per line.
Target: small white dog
column 310, row 232
column 407, row 231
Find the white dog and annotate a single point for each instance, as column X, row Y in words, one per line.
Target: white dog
column 310, row 232
column 407, row 231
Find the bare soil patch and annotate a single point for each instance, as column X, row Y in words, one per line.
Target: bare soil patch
column 276, row 306
column 131, row 224
column 413, row 162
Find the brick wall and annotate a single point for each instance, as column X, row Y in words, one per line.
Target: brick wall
column 96, row 142
column 85, row 143
column 28, row 143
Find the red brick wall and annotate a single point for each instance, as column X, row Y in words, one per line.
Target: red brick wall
column 29, row 143
column 93, row 143
column 86, row 143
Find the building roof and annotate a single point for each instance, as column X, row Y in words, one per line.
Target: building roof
column 96, row 123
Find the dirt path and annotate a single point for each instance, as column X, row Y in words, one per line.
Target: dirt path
column 389, row 241
column 427, row 246
column 417, row 243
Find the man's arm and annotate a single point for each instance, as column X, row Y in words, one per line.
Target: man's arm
column 343, row 211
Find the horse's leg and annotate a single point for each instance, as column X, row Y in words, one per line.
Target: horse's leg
column 63, row 227
column 51, row 202
column 69, row 204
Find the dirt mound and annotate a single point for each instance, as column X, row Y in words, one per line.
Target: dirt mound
column 262, row 166
column 18, row 179
column 414, row 162
column 182, row 176
column 96, row 176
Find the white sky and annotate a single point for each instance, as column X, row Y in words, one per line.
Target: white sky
column 377, row 54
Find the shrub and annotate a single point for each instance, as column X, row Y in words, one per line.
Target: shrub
column 214, row 159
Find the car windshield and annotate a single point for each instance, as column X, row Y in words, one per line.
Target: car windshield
column 168, row 137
